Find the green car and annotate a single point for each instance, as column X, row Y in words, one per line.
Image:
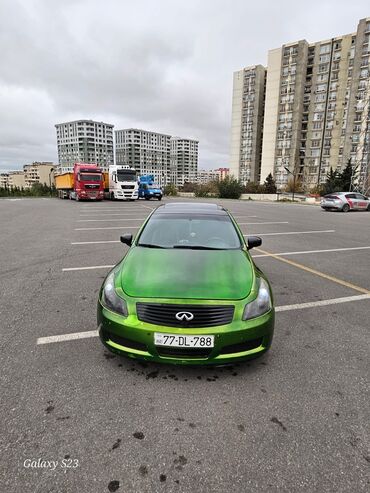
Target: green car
column 187, row 292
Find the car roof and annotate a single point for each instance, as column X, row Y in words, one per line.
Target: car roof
column 190, row 208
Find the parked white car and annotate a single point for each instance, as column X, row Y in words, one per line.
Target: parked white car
column 345, row 202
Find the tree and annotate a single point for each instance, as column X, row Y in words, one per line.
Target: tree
column 229, row 188
column 345, row 177
column 269, row 185
column 333, row 182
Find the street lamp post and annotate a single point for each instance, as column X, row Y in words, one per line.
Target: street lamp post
column 293, row 174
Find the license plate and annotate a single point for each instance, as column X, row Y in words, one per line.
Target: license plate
column 175, row 340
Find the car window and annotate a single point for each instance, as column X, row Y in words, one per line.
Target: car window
column 350, row 196
column 360, row 197
column 180, row 230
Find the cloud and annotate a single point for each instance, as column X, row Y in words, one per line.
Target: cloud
column 163, row 66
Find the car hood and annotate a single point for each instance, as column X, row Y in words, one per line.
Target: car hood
column 193, row 274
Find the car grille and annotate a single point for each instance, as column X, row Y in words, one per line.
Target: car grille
column 184, row 352
column 204, row 315
column 127, row 187
column 92, row 186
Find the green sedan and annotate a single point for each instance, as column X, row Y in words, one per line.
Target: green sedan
column 187, row 291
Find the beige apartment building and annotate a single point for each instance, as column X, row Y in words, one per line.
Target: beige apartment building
column 207, row 175
column 16, row 179
column 38, row 173
column 247, row 123
column 316, row 110
column 4, row 180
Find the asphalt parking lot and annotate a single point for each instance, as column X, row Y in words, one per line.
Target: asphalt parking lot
column 295, row 420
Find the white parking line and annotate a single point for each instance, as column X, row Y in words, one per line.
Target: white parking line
column 67, row 337
column 313, row 304
column 292, row 233
column 315, row 251
column 283, row 308
column 108, row 214
column 92, row 267
column 272, row 222
column 107, row 220
column 94, row 242
column 109, row 227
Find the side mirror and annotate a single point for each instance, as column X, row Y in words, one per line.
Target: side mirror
column 254, row 241
column 127, row 239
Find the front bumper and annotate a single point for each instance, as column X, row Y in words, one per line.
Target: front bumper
column 238, row 341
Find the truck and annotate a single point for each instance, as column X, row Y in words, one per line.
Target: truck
column 84, row 182
column 123, row 184
column 148, row 189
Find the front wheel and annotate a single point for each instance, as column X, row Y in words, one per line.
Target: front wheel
column 368, row 208
column 345, row 208
column 159, row 198
column 147, row 198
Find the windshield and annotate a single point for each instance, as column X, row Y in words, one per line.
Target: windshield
column 125, row 175
column 153, row 185
column 90, row 177
column 190, row 231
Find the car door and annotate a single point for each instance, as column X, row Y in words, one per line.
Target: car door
column 361, row 201
column 351, row 199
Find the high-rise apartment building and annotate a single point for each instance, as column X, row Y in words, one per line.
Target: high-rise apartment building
column 169, row 159
column 147, row 152
column 317, row 109
column 247, row 123
column 84, row 141
column 184, row 160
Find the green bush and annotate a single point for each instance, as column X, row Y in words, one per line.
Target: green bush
column 206, row 190
column 251, row 187
column 37, row 190
column 189, row 187
column 170, row 190
column 229, row 188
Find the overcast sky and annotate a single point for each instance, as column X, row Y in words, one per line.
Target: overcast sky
column 159, row 65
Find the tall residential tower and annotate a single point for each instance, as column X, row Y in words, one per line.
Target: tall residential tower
column 247, row 123
column 316, row 111
column 84, row 141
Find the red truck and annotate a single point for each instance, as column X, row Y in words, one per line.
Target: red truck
column 85, row 182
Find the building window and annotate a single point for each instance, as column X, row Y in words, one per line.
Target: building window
column 325, row 49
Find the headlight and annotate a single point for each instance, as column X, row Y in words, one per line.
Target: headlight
column 110, row 299
column 262, row 304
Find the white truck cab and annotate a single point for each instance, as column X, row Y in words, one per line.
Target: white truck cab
column 123, row 183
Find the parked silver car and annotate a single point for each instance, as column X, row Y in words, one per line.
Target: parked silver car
column 345, row 202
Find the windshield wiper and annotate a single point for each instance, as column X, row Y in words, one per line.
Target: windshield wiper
column 150, row 245
column 197, row 247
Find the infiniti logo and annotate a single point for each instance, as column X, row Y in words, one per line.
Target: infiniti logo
column 184, row 316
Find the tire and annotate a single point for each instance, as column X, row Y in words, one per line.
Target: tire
column 112, row 196
column 345, row 208
column 159, row 198
column 368, row 208
column 147, row 198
